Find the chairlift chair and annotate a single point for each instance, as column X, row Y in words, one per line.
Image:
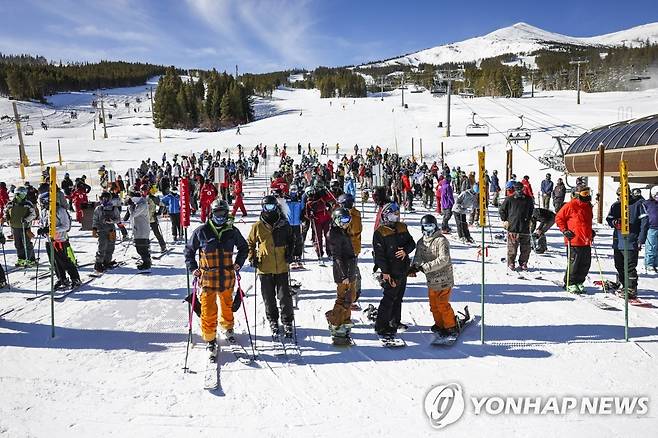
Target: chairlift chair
column 467, row 92
column 519, row 134
column 28, row 130
column 476, row 129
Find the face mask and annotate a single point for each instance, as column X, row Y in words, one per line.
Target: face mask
column 136, row 199
column 429, row 229
column 270, row 216
column 586, row 198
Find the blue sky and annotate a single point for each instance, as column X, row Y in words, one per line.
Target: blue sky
column 266, row 35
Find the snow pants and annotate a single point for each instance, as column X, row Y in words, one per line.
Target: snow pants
column 447, row 214
column 205, row 211
column 444, row 316
column 277, row 287
column 389, row 312
column 239, row 204
column 298, row 244
column 143, row 249
column 23, row 244
column 517, row 242
column 321, row 230
column 155, row 227
column 651, row 249
column 209, row 312
column 176, row 229
column 64, row 262
column 105, row 249
column 462, row 226
column 632, row 267
column 341, row 313
column 579, row 264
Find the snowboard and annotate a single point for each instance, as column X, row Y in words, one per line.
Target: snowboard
column 463, row 320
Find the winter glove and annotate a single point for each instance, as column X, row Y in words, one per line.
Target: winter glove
column 94, row 232
column 3, row 240
column 569, row 234
column 617, row 224
column 505, row 224
column 43, row 231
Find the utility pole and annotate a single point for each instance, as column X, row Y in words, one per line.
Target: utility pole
column 402, row 89
column 103, row 116
column 577, row 62
column 19, row 131
column 449, row 76
column 381, row 94
column 151, row 97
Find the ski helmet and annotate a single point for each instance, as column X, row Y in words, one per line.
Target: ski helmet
column 21, row 193
column 428, row 224
column 269, row 203
column 390, row 213
column 346, row 200
column 341, row 217
column 44, row 200
column 219, row 209
column 293, row 191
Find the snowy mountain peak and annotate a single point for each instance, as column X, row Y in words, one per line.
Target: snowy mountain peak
column 520, row 38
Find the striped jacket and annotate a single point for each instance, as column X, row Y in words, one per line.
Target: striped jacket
column 215, row 248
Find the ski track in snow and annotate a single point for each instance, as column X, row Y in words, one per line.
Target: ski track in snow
column 115, row 366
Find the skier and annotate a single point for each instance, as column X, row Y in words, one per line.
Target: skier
column 651, row 248
column 215, row 241
column 546, row 191
column 3, row 277
column 515, row 212
column 295, row 209
column 447, row 202
column 318, row 209
column 79, row 200
column 154, row 210
column 432, row 257
column 270, row 251
column 64, row 260
column 20, row 213
column 339, row 245
column 172, row 202
column 575, row 222
column 106, row 216
column 237, row 193
column 638, row 225
column 138, row 207
column 392, row 244
column 542, row 220
column 207, row 196
column 465, row 203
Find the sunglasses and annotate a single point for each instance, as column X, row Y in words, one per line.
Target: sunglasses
column 269, row 207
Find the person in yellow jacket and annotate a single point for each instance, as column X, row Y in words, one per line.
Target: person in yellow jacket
column 270, row 252
column 354, row 230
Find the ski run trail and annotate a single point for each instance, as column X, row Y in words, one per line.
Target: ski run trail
column 115, row 365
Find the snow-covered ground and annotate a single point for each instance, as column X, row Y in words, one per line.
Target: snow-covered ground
column 114, row 367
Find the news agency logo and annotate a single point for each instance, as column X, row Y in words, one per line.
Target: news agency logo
column 444, row 405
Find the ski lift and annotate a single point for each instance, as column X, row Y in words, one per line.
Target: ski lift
column 113, row 104
column 28, row 130
column 467, row 92
column 476, row 129
column 519, row 134
column 94, row 104
column 439, row 89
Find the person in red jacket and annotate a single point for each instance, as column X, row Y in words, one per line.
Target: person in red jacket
column 575, row 222
column 330, row 168
column 527, row 188
column 280, row 184
column 408, row 191
column 237, row 193
column 79, row 200
column 318, row 210
column 438, row 195
column 4, row 200
column 207, row 195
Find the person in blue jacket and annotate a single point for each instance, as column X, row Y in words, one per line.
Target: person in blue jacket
column 172, row 202
column 295, row 211
column 651, row 248
column 349, row 187
column 637, row 227
column 546, row 191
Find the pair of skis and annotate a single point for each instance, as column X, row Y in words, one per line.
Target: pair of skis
column 212, row 378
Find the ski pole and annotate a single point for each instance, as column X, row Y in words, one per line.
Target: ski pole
column 598, row 262
column 36, row 280
column 255, row 304
column 244, row 310
column 4, row 256
column 566, row 286
column 190, row 318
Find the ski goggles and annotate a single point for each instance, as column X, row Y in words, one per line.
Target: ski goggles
column 270, row 207
column 344, row 220
column 585, row 192
column 429, row 228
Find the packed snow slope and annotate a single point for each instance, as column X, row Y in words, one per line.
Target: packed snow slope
column 520, row 38
column 114, row 367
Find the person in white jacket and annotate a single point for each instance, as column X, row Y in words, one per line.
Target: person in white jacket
column 466, row 202
column 64, row 259
column 138, row 205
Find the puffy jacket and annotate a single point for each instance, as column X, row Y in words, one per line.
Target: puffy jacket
column 139, row 217
column 105, row 218
column 527, row 188
column 576, row 216
column 355, row 229
column 494, row 184
column 466, row 202
column 433, row 256
column 319, row 208
column 295, row 209
column 350, row 187
column 271, row 246
column 386, row 241
column 406, row 184
column 215, row 248
column 208, row 194
column 237, row 188
column 447, row 198
column 62, row 223
column 651, row 206
column 339, row 246
column 638, row 224
column 517, row 213
column 559, row 193
column 20, row 214
column 172, row 201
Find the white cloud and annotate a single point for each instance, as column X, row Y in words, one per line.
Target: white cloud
column 125, row 36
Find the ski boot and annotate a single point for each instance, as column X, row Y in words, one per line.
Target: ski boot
column 274, row 326
column 3, row 284
column 573, row 289
column 288, row 332
column 523, row 266
column 76, row 283
column 581, row 288
column 61, row 284
column 400, row 326
column 20, row 263
column 511, row 267
column 229, row 334
column 29, row 263
column 211, row 348
column 144, row 266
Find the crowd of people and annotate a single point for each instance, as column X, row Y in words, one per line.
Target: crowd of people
column 308, row 196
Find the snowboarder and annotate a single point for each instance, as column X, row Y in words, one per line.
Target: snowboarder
column 651, row 248
column 215, row 241
column 432, row 257
column 638, row 225
column 339, row 245
column 64, row 260
column 392, row 244
column 270, row 250
column 106, row 216
column 20, row 213
column 515, row 212
column 138, row 207
column 575, row 222
column 542, row 220
column 354, row 230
